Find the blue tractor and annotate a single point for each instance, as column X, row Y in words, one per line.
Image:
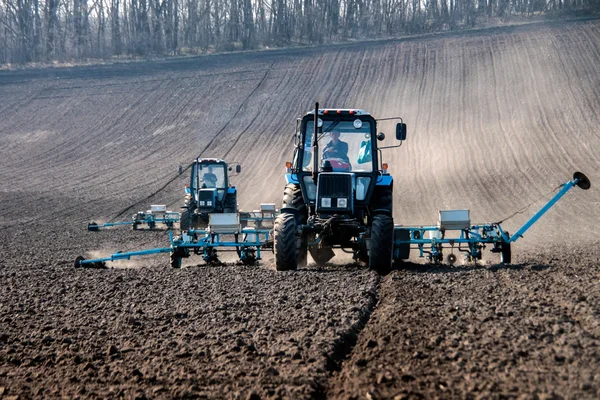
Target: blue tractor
column 338, row 193
column 208, row 192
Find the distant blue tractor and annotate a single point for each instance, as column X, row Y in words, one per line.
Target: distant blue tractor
column 208, row 192
column 338, row 193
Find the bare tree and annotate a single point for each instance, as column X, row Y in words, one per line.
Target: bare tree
column 38, row 30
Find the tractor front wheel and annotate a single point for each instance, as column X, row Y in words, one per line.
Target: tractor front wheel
column 381, row 244
column 290, row 250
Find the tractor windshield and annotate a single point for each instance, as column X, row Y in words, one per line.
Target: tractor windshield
column 211, row 176
column 343, row 145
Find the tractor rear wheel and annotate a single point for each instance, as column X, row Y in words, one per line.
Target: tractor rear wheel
column 185, row 221
column 290, row 249
column 381, row 244
column 230, row 203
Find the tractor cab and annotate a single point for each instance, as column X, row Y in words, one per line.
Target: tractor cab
column 337, row 163
column 209, row 182
column 208, row 192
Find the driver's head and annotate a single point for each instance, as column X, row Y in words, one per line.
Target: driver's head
column 335, row 136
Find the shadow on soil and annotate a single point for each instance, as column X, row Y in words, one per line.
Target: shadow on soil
column 447, row 269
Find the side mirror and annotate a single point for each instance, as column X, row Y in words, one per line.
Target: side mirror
column 380, row 136
column 238, row 168
column 401, row 131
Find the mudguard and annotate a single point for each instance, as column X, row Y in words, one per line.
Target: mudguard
column 291, row 178
column 231, row 190
column 382, row 211
column 384, row 180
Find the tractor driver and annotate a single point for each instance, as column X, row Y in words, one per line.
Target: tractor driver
column 336, row 148
column 209, row 178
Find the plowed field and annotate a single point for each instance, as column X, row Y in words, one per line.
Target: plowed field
column 497, row 119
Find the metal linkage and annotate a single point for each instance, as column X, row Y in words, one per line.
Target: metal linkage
column 157, row 214
column 431, row 240
column 579, row 179
column 222, row 236
column 150, row 219
column 466, row 238
column 101, row 262
column 247, row 243
column 94, row 226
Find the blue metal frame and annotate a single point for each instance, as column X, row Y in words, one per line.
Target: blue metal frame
column 201, row 241
column 256, row 217
column 565, row 188
column 474, row 238
column 126, row 256
column 150, row 220
column 92, row 226
column 208, row 242
column 469, row 241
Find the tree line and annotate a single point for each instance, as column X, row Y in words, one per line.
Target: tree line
column 65, row 30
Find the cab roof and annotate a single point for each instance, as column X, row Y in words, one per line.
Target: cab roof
column 341, row 111
column 210, row 161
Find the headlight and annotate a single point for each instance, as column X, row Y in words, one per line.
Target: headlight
column 209, row 203
column 342, row 203
column 326, row 202
column 202, row 203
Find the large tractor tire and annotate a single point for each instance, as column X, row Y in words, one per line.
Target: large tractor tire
column 381, row 244
column 190, row 220
column 292, row 198
column 230, row 204
column 290, row 249
column 200, row 221
column 382, row 200
column 185, row 221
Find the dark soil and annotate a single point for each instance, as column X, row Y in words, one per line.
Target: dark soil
column 528, row 330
